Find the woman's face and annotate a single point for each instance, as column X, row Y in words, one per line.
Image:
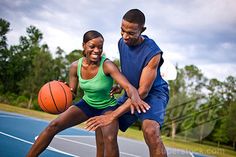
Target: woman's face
column 93, row 49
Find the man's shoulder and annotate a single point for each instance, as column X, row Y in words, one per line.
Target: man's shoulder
column 149, row 41
column 120, row 40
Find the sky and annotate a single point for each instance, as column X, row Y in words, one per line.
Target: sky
column 198, row 32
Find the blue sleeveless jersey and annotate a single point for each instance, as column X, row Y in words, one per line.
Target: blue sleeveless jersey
column 134, row 59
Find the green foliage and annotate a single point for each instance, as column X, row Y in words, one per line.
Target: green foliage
column 4, row 54
column 231, row 123
column 117, row 62
column 21, row 101
column 26, row 67
column 220, row 134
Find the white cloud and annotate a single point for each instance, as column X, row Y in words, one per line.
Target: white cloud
column 219, row 71
column 189, row 32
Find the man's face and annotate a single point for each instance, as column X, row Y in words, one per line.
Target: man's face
column 130, row 32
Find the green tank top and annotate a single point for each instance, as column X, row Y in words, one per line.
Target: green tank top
column 97, row 89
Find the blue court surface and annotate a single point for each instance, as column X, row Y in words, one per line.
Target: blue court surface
column 18, row 132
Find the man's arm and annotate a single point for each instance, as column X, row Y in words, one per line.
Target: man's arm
column 98, row 121
column 148, row 76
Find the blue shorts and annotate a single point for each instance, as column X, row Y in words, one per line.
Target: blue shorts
column 91, row 111
column 158, row 105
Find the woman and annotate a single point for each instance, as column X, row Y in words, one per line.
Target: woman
column 94, row 74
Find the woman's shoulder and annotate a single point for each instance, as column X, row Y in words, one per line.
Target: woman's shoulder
column 107, row 62
column 108, row 66
column 75, row 63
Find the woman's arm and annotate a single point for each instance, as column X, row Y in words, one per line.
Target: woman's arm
column 136, row 103
column 73, row 78
column 98, row 121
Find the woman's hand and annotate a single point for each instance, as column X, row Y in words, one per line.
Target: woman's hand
column 71, row 89
column 99, row 121
column 116, row 89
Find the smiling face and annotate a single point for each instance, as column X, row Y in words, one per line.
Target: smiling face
column 93, row 49
column 131, row 33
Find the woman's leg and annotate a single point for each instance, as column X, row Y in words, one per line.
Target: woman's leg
column 69, row 118
column 109, row 133
column 99, row 143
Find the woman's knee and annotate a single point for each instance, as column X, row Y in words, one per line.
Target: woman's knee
column 53, row 127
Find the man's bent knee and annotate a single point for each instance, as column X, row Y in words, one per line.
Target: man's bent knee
column 151, row 131
column 110, row 139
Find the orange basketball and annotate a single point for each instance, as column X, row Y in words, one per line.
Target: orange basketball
column 54, row 97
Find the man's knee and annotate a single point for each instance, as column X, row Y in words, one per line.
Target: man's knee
column 151, row 131
column 110, row 132
column 110, row 138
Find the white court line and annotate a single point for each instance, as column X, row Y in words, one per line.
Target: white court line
column 93, row 136
column 191, row 154
column 49, row 148
column 93, row 146
column 12, row 116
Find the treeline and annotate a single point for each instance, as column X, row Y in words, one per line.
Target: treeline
column 26, row 67
column 199, row 108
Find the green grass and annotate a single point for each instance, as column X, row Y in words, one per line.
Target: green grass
column 133, row 133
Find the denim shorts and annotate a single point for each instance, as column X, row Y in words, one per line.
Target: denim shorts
column 91, row 111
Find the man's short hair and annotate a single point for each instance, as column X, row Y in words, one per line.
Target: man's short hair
column 135, row 16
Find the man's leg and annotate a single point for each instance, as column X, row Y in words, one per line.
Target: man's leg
column 109, row 133
column 99, row 143
column 152, row 136
column 65, row 120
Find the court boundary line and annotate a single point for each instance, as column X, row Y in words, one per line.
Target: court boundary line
column 28, row 142
column 77, row 142
column 41, row 120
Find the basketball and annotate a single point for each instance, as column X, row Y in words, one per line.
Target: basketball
column 54, row 97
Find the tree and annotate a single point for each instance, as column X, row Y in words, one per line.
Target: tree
column 194, row 81
column 60, row 66
column 231, row 123
column 37, row 63
column 177, row 98
column 4, row 55
column 220, row 134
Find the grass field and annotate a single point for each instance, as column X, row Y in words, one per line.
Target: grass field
column 134, row 134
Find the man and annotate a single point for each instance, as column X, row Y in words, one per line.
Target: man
column 140, row 59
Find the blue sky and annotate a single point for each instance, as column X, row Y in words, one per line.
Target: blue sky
column 199, row 32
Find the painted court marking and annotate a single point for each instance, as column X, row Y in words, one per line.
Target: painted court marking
column 28, row 142
column 86, row 144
